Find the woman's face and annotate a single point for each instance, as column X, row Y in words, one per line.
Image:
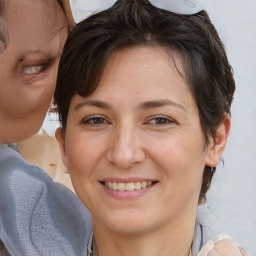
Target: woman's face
column 135, row 148
column 37, row 31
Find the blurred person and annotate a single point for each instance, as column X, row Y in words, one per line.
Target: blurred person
column 37, row 216
column 32, row 37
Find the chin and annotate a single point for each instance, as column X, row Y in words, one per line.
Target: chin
column 129, row 224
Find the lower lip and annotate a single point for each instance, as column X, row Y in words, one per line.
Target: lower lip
column 125, row 195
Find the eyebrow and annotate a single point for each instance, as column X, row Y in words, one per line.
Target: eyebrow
column 93, row 103
column 160, row 103
column 143, row 105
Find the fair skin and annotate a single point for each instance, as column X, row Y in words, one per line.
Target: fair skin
column 139, row 127
column 37, row 31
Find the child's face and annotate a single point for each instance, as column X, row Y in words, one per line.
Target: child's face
column 37, row 31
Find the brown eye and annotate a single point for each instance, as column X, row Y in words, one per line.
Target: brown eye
column 160, row 120
column 95, row 121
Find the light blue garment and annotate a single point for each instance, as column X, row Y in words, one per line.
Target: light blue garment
column 204, row 230
column 37, row 215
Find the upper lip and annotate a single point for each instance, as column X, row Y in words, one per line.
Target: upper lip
column 126, row 180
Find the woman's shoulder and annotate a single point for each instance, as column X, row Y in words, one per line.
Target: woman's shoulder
column 222, row 245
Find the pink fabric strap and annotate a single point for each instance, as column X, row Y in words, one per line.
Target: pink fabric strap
column 222, row 245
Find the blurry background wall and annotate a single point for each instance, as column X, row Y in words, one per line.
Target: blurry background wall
column 232, row 197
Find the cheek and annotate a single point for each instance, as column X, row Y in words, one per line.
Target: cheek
column 179, row 156
column 181, row 162
column 84, row 155
column 41, row 94
column 84, row 151
column 44, row 96
column 26, row 100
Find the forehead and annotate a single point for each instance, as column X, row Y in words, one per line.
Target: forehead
column 40, row 21
column 143, row 71
column 146, row 55
column 145, row 61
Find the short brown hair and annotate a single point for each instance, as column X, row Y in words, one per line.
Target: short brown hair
column 136, row 22
column 65, row 5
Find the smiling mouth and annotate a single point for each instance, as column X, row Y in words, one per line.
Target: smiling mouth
column 130, row 186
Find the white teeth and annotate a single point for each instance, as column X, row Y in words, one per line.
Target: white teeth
column 131, row 186
column 110, row 184
column 115, row 187
column 144, row 184
column 137, row 185
column 120, row 186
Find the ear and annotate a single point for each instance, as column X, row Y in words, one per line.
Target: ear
column 61, row 140
column 218, row 143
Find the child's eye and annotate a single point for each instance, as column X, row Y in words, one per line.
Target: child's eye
column 33, row 69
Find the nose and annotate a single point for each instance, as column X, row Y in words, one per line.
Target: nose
column 125, row 149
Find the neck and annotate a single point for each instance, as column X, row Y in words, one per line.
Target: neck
column 171, row 239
